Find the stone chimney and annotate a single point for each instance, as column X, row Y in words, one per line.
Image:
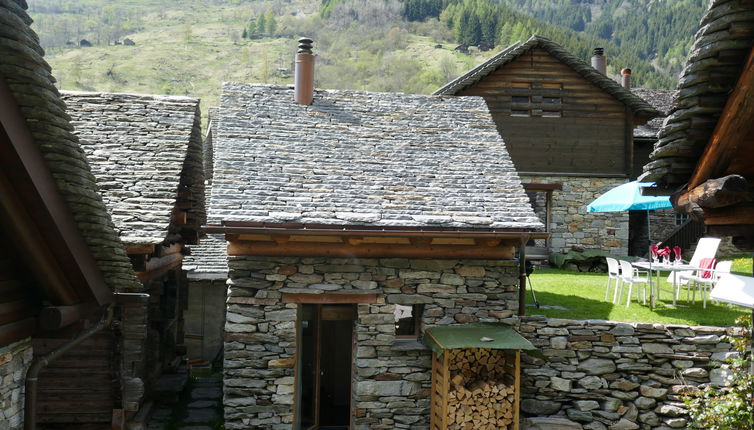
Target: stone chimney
column 599, row 61
column 304, row 73
column 625, row 78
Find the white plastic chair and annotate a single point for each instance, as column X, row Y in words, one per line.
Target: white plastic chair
column 721, row 268
column 705, row 248
column 613, row 274
column 632, row 275
column 702, row 279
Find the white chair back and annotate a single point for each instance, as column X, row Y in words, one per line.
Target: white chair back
column 613, row 268
column 722, row 268
column 705, row 248
column 626, row 270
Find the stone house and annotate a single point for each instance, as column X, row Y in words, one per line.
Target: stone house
column 353, row 223
column 568, row 128
column 704, row 154
column 146, row 156
column 62, row 265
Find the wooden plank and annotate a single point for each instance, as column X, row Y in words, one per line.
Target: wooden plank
column 139, row 249
column 532, row 186
column 368, row 250
column 736, row 121
column 517, row 393
column 329, row 298
column 739, row 214
column 17, row 330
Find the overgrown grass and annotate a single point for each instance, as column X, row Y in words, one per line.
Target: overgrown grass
column 583, row 295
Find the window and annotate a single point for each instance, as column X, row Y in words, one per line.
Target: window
column 408, row 321
column 520, row 99
column 680, row 218
column 536, row 99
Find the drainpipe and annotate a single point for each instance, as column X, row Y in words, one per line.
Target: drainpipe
column 32, row 375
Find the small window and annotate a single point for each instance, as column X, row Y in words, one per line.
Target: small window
column 520, row 99
column 408, row 321
column 680, row 219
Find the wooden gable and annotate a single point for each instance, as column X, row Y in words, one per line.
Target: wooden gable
column 553, row 120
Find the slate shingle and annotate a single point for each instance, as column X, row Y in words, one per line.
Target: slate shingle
column 363, row 159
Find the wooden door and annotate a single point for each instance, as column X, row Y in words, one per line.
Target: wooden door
column 325, row 346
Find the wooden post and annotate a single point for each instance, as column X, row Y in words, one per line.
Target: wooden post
column 522, row 278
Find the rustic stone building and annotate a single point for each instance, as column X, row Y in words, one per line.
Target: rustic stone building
column 146, row 155
column 61, row 258
column 354, row 223
column 569, row 132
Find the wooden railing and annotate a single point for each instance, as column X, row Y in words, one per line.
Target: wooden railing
column 686, row 235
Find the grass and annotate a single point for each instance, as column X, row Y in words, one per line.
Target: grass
column 583, row 295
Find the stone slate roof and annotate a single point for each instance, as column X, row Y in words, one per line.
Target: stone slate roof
column 146, row 153
column 30, row 79
column 357, row 158
column 209, row 150
column 662, row 100
column 208, row 259
column 724, row 39
column 635, row 103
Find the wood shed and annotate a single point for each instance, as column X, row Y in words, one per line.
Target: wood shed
column 475, row 376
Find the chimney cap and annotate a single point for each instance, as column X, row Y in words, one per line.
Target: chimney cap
column 625, row 72
column 599, row 51
column 305, row 45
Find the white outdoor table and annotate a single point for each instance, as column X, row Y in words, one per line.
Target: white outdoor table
column 662, row 267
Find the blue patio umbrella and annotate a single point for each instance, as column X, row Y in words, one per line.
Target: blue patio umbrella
column 627, row 197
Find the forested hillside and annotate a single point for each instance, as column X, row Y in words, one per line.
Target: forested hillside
column 189, row 47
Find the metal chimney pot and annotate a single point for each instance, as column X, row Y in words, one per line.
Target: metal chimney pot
column 304, row 73
column 625, row 78
column 599, row 61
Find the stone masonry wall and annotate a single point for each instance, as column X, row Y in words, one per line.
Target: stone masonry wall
column 391, row 380
column 15, row 359
column 608, row 375
column 571, row 225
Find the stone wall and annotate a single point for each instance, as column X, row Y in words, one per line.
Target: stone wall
column 608, row 375
column 391, row 380
column 571, row 225
column 14, row 362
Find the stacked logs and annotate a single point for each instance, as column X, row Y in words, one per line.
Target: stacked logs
column 479, row 397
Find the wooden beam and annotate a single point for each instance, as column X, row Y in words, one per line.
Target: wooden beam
column 713, row 194
column 735, row 122
column 157, row 267
column 57, row 317
column 16, row 331
column 733, row 215
column 369, row 250
column 139, row 249
column 329, row 298
column 532, row 186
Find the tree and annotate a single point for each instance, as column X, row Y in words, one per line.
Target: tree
column 261, row 25
column 272, row 24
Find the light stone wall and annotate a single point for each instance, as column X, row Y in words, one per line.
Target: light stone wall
column 572, row 226
column 601, row 375
column 391, row 381
column 15, row 360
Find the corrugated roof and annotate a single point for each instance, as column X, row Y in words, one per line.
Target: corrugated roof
column 143, row 150
column 724, row 39
column 363, row 159
column 635, row 103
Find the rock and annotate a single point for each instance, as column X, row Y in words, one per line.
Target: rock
column 624, row 424
column 676, row 423
column 655, row 393
column 560, row 384
column 597, row 366
column 645, row 402
column 611, row 404
column 539, row 407
column 721, row 377
column 580, row 416
column 670, row 410
column 548, row 423
column 586, row 405
column 591, row 382
column 649, row 418
column 656, row 348
column 623, row 330
column 695, row 372
column 624, row 384
column 710, row 339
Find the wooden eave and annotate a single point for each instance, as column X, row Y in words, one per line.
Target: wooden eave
column 152, row 261
column 360, row 241
column 41, row 222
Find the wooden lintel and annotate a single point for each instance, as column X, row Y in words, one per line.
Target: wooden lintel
column 488, row 242
column 328, row 298
column 531, row 186
column 262, row 237
column 312, row 249
column 281, row 239
column 422, row 241
column 734, row 124
column 139, row 249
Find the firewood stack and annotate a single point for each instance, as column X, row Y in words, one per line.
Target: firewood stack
column 481, row 393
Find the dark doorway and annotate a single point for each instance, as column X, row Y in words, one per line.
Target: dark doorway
column 324, row 383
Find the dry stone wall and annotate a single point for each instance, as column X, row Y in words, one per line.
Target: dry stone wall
column 15, row 359
column 572, row 226
column 391, row 380
column 600, row 375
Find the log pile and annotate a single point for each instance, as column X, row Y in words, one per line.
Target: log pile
column 481, row 393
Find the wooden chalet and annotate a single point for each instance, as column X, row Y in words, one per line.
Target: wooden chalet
column 568, row 129
column 353, row 223
column 705, row 153
column 146, row 155
column 62, row 264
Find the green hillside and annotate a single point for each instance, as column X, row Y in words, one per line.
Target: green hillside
column 189, row 47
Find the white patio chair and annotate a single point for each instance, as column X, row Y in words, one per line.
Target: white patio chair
column 705, row 248
column 721, row 268
column 613, row 274
column 632, row 275
column 701, row 280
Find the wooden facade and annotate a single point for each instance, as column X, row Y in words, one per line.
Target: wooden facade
column 555, row 121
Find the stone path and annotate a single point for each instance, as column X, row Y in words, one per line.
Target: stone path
column 193, row 406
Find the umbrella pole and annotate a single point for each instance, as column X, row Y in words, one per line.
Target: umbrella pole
column 649, row 254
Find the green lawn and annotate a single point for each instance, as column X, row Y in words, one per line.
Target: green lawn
column 583, row 295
